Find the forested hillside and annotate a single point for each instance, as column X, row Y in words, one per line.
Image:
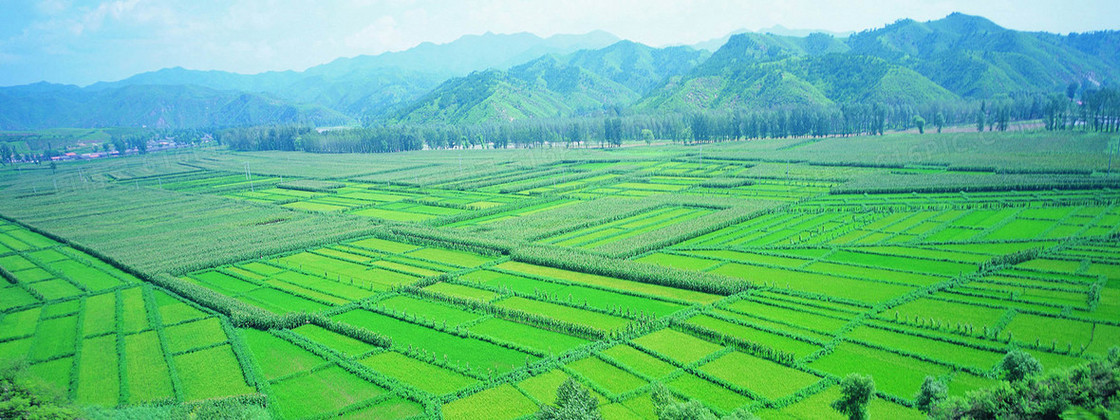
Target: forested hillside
column 953, row 63
column 157, row 106
column 939, row 64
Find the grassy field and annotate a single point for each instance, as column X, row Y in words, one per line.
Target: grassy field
column 469, row 285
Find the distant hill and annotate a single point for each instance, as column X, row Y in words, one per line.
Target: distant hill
column 768, row 71
column 637, row 66
column 44, row 105
column 715, row 43
column 975, row 58
column 907, row 62
column 545, row 87
column 372, row 84
column 493, row 77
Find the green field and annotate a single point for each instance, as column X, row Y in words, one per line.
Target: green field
column 403, row 287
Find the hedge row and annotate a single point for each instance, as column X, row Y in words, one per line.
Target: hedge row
column 688, row 229
column 584, row 262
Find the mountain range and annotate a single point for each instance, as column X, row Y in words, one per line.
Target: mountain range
column 496, row 77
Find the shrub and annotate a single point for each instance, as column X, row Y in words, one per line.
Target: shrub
column 855, row 392
column 1019, row 365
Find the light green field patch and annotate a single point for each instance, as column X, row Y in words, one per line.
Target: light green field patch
column 964, row 382
column 148, row 377
column 460, row 291
column 474, row 354
column 320, row 392
column 761, row 376
column 281, row 302
column 431, row 311
column 55, row 373
column 610, row 378
column 407, row 268
column 874, row 273
column 55, row 337
column 678, row 346
column 753, row 258
column 678, row 261
column 393, row 409
column 947, row 313
column 1057, row 331
column 447, row 256
column 500, row 403
column 639, row 361
column 135, row 317
column 98, row 376
column 932, row 349
column 503, row 281
column 261, row 268
column 393, row 215
column 543, row 386
column 609, row 282
column 277, row 357
column 542, row 340
column 89, row 277
column 895, row 375
column 182, row 337
column 755, row 335
column 14, row 263
column 710, row 394
column 13, row 296
column 343, row 344
column 174, row 311
column 313, row 206
column 19, row 324
column 56, row 289
column 211, row 373
column 818, row 406
column 567, row 314
column 383, row 245
column 857, row 290
column 423, row 376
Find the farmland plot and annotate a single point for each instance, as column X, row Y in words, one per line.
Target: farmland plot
column 365, row 287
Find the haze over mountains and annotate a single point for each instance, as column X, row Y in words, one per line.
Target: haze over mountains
column 490, row 77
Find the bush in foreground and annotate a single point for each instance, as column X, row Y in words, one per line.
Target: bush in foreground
column 573, row 402
column 855, row 392
column 1094, row 387
column 23, row 396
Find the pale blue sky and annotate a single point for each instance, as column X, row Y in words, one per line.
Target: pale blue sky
column 83, row 41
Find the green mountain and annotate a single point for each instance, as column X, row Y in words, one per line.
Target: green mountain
column 770, row 71
column 44, row 105
column 907, row 62
column 374, row 84
column 975, row 58
column 542, row 88
column 581, row 83
column 638, row 67
column 480, row 78
column 714, row 44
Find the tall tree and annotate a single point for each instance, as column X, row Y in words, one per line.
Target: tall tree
column 5, row 153
column 668, row 408
column 931, row 392
column 1018, row 365
column 919, row 122
column 573, row 402
column 855, row 392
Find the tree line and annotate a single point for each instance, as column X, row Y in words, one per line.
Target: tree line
column 611, row 130
column 1092, row 110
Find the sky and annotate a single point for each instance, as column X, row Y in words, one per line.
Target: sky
column 84, row 41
